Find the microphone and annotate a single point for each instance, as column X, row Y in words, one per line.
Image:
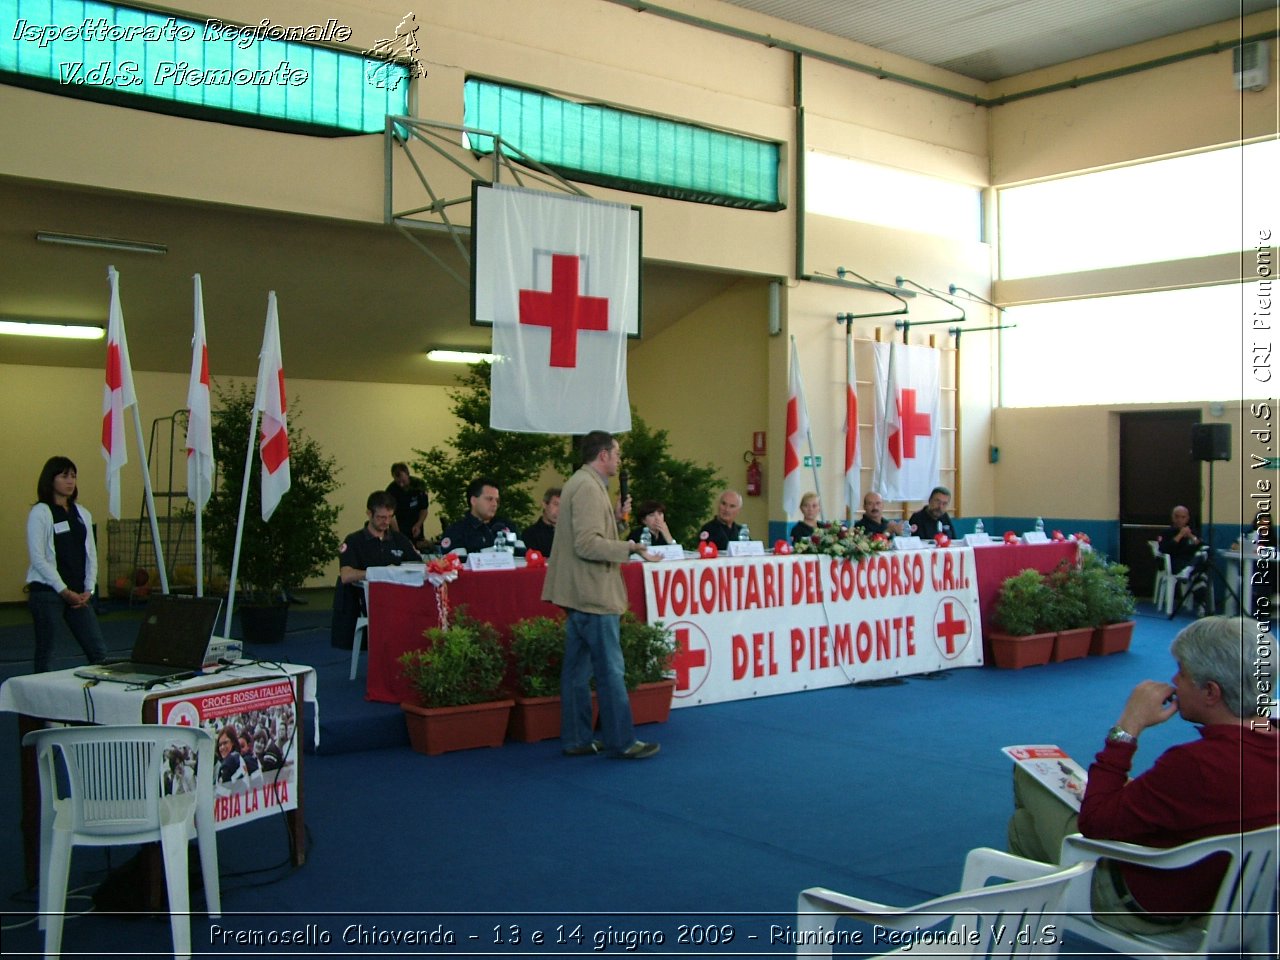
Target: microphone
column 623, row 480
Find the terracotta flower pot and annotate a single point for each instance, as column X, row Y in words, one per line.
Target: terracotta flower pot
column 436, row 730
column 1014, row 653
column 538, row 718
column 651, row 702
column 1111, row 638
column 1072, row 644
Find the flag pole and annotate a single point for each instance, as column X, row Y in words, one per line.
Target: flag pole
column 151, row 502
column 808, row 434
column 244, row 499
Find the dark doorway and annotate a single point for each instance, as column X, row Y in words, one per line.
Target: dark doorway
column 1157, row 473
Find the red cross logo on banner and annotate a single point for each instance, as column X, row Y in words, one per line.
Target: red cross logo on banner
column 951, row 627
column 693, row 652
column 902, row 442
column 564, row 310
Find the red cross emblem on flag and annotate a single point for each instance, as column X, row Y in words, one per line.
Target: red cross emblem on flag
column 564, row 310
column 692, row 661
column 913, row 424
column 951, row 627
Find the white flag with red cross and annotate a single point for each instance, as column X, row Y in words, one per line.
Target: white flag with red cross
column 270, row 401
column 852, row 448
column 558, row 277
column 797, row 435
column 907, row 421
column 117, row 396
column 199, row 413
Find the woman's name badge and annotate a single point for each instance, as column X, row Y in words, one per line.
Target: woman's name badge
column 62, row 526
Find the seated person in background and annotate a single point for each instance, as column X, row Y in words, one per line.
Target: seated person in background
column 480, row 528
column 411, row 503
column 872, row 520
column 810, row 508
column 653, row 517
column 538, row 536
column 723, row 526
column 1178, row 540
column 933, row 519
column 373, row 545
column 1225, row 782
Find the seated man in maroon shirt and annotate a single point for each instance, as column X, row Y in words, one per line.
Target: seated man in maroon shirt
column 1225, row 782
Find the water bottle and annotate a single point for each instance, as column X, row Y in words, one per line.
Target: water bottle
column 510, row 538
column 646, row 537
column 744, row 534
column 1039, row 525
column 978, row 527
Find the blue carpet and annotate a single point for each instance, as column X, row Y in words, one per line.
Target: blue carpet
column 877, row 791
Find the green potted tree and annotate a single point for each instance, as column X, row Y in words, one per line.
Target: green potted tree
column 1067, row 614
column 647, row 651
column 458, row 678
column 1019, row 612
column 1109, row 603
column 298, row 543
column 537, row 649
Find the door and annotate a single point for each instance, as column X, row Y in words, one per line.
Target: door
column 1157, row 473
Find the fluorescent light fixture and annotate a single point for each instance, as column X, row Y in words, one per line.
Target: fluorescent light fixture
column 447, row 355
column 42, row 328
column 101, row 243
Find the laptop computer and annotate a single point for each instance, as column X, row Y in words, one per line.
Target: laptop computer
column 173, row 640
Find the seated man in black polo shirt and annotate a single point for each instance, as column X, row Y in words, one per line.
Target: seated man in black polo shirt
column 411, row 503
column 873, row 520
column 539, row 535
column 933, row 519
column 723, row 527
column 480, row 528
column 373, row 545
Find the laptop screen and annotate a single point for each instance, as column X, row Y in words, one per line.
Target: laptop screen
column 175, row 631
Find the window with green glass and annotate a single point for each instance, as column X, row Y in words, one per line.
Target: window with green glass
column 616, row 148
column 267, row 75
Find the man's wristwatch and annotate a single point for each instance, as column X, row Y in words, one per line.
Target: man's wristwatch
column 1120, row 735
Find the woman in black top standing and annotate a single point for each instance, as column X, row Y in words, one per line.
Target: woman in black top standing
column 64, row 565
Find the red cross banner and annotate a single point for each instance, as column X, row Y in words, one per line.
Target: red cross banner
column 200, row 463
column 558, row 277
column 756, row 626
column 117, row 396
column 273, row 444
column 907, row 422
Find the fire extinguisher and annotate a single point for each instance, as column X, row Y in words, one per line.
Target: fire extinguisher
column 755, row 477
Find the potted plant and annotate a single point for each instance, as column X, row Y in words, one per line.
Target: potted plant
column 1019, row 612
column 1109, row 603
column 647, row 651
column 458, row 677
column 298, row 542
column 1067, row 614
column 537, row 649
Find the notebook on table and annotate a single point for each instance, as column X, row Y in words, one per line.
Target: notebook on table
column 173, row 640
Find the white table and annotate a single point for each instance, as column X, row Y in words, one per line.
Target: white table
column 1241, row 562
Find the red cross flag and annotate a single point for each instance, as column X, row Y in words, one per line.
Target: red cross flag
column 797, row 434
column 270, row 401
column 117, row 396
column 558, row 277
column 907, row 426
column 199, row 416
column 852, row 448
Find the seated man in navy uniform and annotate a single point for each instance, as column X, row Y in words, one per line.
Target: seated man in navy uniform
column 723, row 527
column 480, row 528
column 373, row 545
column 539, row 535
column 933, row 519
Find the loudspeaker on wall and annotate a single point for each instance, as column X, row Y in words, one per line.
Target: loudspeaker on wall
column 1210, row 441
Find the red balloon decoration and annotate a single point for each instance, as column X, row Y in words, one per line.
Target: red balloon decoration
column 1058, row 535
column 707, row 550
column 534, row 558
column 879, row 538
column 942, row 540
column 782, row 547
column 1010, row 537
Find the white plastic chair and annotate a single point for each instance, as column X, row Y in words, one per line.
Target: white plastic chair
column 1243, row 912
column 1162, row 590
column 113, row 780
column 985, row 919
column 361, row 634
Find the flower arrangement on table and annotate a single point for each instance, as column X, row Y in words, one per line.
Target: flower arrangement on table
column 441, row 571
column 838, row 540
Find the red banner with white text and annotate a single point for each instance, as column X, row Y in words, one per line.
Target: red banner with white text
column 758, row 626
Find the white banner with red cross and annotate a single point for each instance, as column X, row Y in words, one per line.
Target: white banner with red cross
column 908, row 427
column 757, row 626
column 558, row 276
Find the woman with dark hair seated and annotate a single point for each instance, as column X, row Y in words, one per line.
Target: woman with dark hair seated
column 652, row 514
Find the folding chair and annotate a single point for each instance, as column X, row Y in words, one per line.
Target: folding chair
column 106, row 786
column 362, row 629
column 1162, row 590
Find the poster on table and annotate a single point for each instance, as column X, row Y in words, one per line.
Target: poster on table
column 758, row 626
column 254, row 727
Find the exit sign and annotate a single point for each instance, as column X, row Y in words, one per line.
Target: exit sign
column 813, row 461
